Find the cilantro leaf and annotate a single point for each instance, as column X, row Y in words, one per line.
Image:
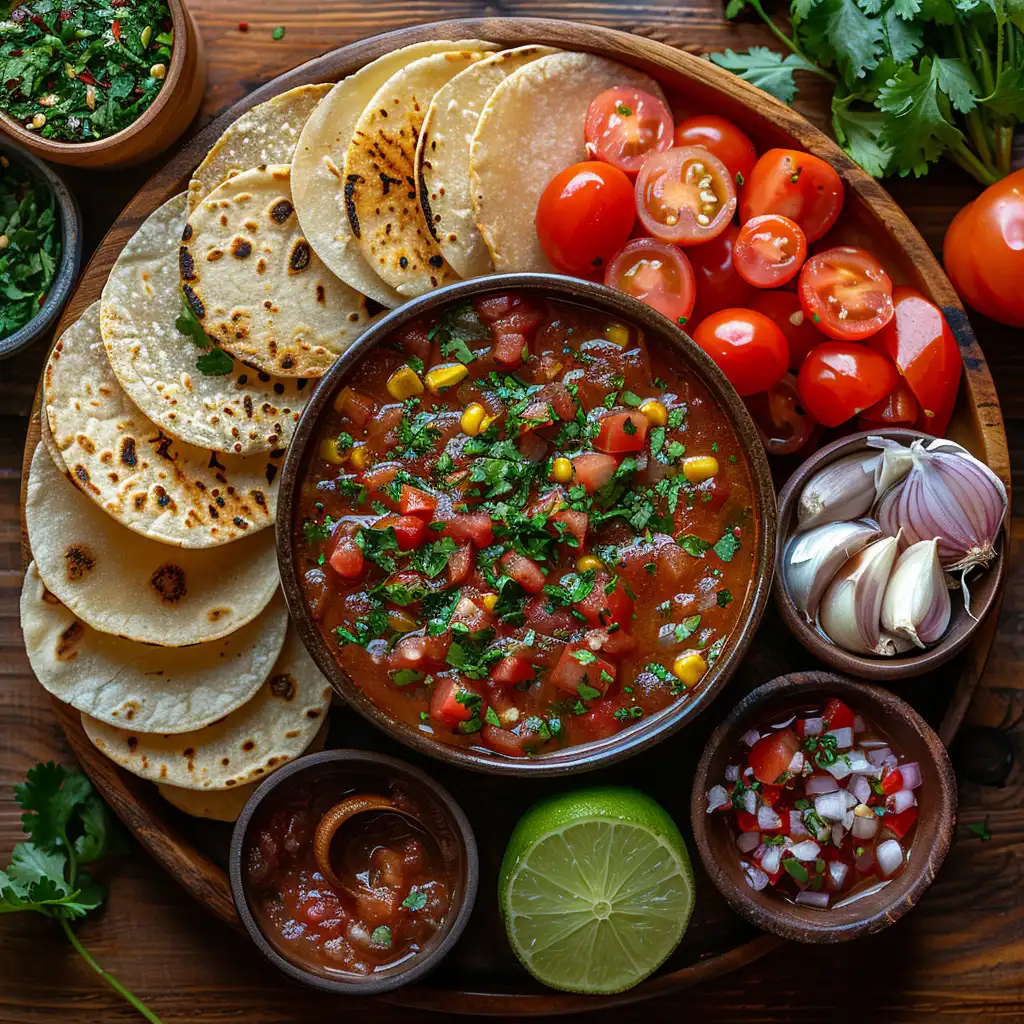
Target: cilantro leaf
column 457, row 326
column 765, row 69
column 416, row 900
column 693, row 545
column 381, row 936
column 839, row 32
column 981, row 830
column 215, row 363
column 727, row 546
column 859, row 132
column 49, row 797
column 587, row 692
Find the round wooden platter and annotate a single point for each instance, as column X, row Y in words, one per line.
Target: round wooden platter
column 481, row 976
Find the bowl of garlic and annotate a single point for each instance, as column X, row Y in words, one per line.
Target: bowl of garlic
column 892, row 551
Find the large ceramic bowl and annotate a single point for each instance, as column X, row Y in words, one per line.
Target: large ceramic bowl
column 643, row 734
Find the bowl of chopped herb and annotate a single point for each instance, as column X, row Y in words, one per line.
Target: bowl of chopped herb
column 103, row 85
column 40, row 247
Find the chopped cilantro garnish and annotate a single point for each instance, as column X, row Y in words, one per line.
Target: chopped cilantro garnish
column 692, row 544
column 629, row 398
column 491, row 717
column 587, row 692
column 981, row 829
column 727, row 546
column 416, row 900
column 724, row 598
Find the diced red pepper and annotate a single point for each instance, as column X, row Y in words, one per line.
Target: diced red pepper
column 525, row 571
column 746, row 821
column 618, row 438
column 347, row 559
column 892, row 782
column 603, row 609
column 470, row 526
column 900, row 824
column 115, row 29
column 837, row 715
column 580, row 665
column 511, row 670
column 414, row 502
column 409, row 530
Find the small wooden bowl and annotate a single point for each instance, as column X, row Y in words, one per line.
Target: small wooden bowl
column 985, row 586
column 935, row 824
column 445, row 821
column 161, row 123
column 643, row 734
column 71, row 251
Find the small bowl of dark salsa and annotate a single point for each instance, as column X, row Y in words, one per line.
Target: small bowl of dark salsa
column 353, row 872
column 526, row 525
column 823, row 807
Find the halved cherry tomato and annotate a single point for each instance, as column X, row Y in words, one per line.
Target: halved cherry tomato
column 837, row 715
column 784, row 309
column 769, row 251
column 347, row 559
column 920, row 343
column 685, row 195
column 750, row 350
column 622, row 432
column 784, row 425
column 625, row 125
column 771, row 754
column 580, row 665
column 594, row 470
column 846, row 292
column 602, row 608
column 470, row 526
column 525, row 571
column 840, row 380
column 409, row 530
column 722, row 138
column 718, row 284
column 797, row 185
column 451, row 702
column 899, row 408
column 414, row 502
column 657, row 273
column 584, row 216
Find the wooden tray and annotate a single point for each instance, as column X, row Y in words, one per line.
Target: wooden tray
column 481, row 976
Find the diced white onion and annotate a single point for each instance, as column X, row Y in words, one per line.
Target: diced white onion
column 831, row 806
column 865, row 828
column 876, row 757
column 848, row 820
column 911, row 775
column 747, row 772
column 749, row 801
column 859, row 725
column 718, row 796
column 860, row 765
column 839, row 769
column 796, row 766
column 756, row 878
column 844, row 737
column 813, row 726
column 810, row 898
column 817, row 784
column 837, row 871
column 901, row 801
column 807, row 850
column 767, row 819
column 782, row 725
column 860, row 788
column 732, row 772
column 838, row 833
column 771, row 859
column 892, row 761
column 796, row 824
column 890, row 857
column 750, row 737
column 748, row 841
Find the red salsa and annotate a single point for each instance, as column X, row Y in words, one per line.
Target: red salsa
column 524, row 527
column 395, row 884
column 821, row 804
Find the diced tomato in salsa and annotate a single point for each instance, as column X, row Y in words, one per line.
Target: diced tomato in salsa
column 622, row 432
column 526, row 572
column 511, row 670
column 452, row 702
column 347, row 559
column 608, row 603
column 580, row 666
column 414, row 502
column 409, row 530
column 470, row 526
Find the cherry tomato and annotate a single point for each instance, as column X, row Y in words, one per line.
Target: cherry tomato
column 846, row 292
column 584, row 216
column 750, row 350
column 656, row 273
column 984, row 251
column 771, row 755
column 769, row 251
column 685, row 195
column 718, row 284
column 899, row 408
column 785, row 310
column 920, row 343
column 840, row 380
column 625, row 125
column 797, row 185
column 782, row 422
column 722, row 138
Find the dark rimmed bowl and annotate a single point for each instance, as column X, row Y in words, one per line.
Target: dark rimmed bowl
column 70, row 254
column 450, row 826
column 937, row 798
column 985, row 586
column 648, row 731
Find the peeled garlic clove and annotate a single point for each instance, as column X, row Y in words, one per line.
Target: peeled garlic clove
column 844, row 489
column 916, row 604
column 851, row 610
column 814, row 557
column 893, row 465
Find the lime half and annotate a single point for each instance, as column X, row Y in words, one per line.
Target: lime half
column 596, row 889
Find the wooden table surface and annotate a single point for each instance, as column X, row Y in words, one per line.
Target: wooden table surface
column 960, row 954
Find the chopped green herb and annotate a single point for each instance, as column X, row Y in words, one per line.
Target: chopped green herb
column 416, row 900
column 796, row 869
column 692, row 544
column 587, row 692
column 277, row 35
column 724, row 598
column 491, row 717
column 727, row 546
column 981, row 830
column 381, row 936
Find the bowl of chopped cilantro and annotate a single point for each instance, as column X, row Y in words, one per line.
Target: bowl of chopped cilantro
column 40, row 247
column 98, row 83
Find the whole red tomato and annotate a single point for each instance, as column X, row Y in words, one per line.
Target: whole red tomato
column 984, row 251
column 718, row 284
column 748, row 347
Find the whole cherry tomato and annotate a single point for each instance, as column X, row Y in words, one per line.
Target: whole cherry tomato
column 625, row 125
column 718, row 284
column 769, row 251
column 839, row 380
column 920, row 343
column 846, row 292
column 750, row 350
column 584, row 215
column 656, row 273
column 722, row 138
column 685, row 195
column 783, row 424
column 984, row 251
column 785, row 309
column 799, row 186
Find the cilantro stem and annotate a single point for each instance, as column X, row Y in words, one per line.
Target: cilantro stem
column 964, row 158
column 108, row 978
column 790, row 44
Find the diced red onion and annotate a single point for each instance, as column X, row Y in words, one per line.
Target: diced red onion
column 911, row 775
column 796, row 824
column 838, row 834
column 796, row 765
column 750, row 737
column 866, row 861
column 718, row 796
column 732, row 772
column 750, row 801
column 901, row 801
column 756, row 878
column 771, row 859
column 878, row 756
column 810, row 898
column 767, row 819
column 814, row 726
column 865, row 828
column 859, row 725
column 860, row 788
column 844, row 737
column 837, row 872
column 890, row 857
column 807, row 850
column 831, row 806
column 748, row 841
column 817, row 784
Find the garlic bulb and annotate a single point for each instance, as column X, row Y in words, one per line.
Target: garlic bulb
column 814, row 557
column 844, row 489
column 851, row 610
column 893, row 465
column 950, row 497
column 916, row 604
